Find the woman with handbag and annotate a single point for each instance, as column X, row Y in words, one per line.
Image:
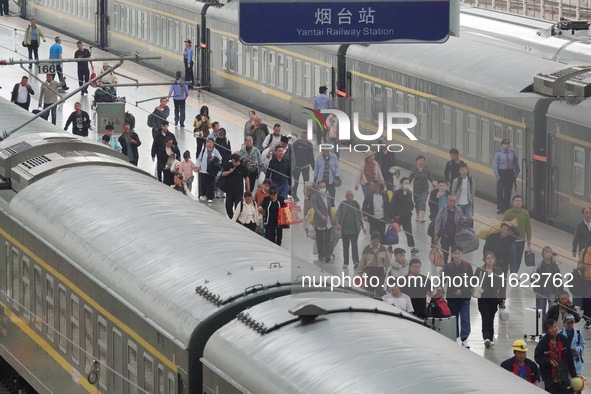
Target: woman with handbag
column 186, row 169
column 490, row 295
column 166, row 160
column 201, row 126
column 544, row 276
column 370, row 171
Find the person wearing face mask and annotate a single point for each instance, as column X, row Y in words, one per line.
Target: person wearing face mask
column 402, row 211
column 323, row 223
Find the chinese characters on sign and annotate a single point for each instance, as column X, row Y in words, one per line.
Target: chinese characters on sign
column 324, row 16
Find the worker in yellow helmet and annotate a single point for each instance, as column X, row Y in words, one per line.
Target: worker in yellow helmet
column 522, row 366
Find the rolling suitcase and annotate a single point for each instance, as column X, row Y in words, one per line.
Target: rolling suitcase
column 446, row 326
column 532, row 324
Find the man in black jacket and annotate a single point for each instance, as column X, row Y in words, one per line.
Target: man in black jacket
column 402, row 207
column 303, row 154
column 270, row 211
column 279, row 172
column 130, row 141
column 563, row 307
column 158, row 143
column 500, row 244
column 21, row 93
column 416, row 286
column 386, row 160
column 452, row 168
column 236, row 176
column 555, row 359
column 376, row 208
column 582, row 234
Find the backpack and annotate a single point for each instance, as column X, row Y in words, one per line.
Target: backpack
column 129, row 118
column 585, row 258
column 438, row 308
column 151, row 120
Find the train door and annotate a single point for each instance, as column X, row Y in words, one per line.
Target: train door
column 205, row 58
column 552, row 181
column 101, row 24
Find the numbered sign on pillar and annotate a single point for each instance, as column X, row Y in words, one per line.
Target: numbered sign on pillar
column 45, row 68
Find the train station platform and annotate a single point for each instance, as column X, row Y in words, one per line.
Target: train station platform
column 232, row 116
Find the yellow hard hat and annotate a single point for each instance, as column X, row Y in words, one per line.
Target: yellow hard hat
column 577, row 383
column 519, row 345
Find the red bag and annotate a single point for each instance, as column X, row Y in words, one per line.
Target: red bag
column 439, row 308
column 437, row 257
column 284, row 217
column 396, row 227
column 296, row 213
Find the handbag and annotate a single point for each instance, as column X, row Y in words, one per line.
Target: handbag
column 436, row 256
column 530, row 258
column 25, row 44
column 467, row 240
column 337, row 181
column 173, row 166
column 396, row 227
column 391, row 236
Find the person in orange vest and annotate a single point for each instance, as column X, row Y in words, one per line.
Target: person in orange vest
column 522, row 366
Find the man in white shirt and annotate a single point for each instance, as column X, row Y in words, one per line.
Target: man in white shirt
column 273, row 139
column 398, row 299
column 463, row 187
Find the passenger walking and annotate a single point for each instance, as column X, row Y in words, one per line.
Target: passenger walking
column 447, row 224
column 563, row 307
column 321, row 101
column 576, row 341
column 247, row 213
column 491, row 296
column 279, row 172
column 463, row 187
column 582, row 234
column 83, row 71
column 402, row 207
column 549, row 291
column 130, row 141
column 160, row 114
column 258, row 131
column 236, row 176
column 208, row 164
column 262, row 191
column 500, row 245
column 21, row 93
column 201, row 126
column 555, row 359
column 420, row 176
column 506, row 170
column 158, row 144
column 188, row 60
column 179, row 93
column 452, row 168
column 349, row 221
column 417, row 286
column 222, row 144
column 369, row 171
column 48, row 95
column 113, row 141
column 399, row 265
column 323, row 224
column 373, row 263
column 274, row 139
column 376, row 208
column 187, row 168
column 386, row 160
column 438, row 199
column 252, row 160
column 270, row 211
column 33, row 35
column 80, row 121
column 398, row 299
column 166, row 157
column 522, row 366
column 327, row 170
column 303, row 153
column 524, row 226
column 458, row 297
column 250, row 122
column 55, row 53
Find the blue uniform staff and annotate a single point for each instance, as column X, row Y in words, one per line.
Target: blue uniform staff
column 506, row 170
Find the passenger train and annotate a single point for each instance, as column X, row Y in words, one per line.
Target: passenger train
column 465, row 94
column 111, row 282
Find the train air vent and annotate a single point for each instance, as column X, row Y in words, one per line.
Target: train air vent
column 579, row 86
column 553, row 84
column 19, row 149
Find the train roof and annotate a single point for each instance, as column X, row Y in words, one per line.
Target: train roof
column 149, row 246
column 571, row 113
column 509, row 19
column 351, row 349
column 460, row 64
column 14, row 116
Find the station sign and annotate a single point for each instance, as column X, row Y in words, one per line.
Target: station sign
column 342, row 22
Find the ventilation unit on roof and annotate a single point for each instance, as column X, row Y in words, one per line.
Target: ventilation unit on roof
column 20, row 149
column 579, row 86
column 553, row 84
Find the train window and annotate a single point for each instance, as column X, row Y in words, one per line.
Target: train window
column 446, row 122
column 377, row 102
column 367, row 100
column 272, row 68
column 328, row 78
column 579, row 171
column 26, row 289
column 224, row 53
column 497, row 136
column 171, row 385
column 148, row 374
column 308, row 80
column 143, row 24
column 255, row 63
column 317, row 83
column 5, row 268
column 177, row 40
column 62, row 325
column 248, row 62
column 518, row 145
column 124, row 19
column 160, row 379
column 171, row 34
column 160, row 30
column 422, row 118
column 49, row 307
column 264, row 65
column 389, row 104
column 485, row 140
column 101, row 333
column 435, row 122
column 289, row 73
column 399, row 101
column 232, row 55
column 88, row 339
column 472, row 136
column 132, row 367
column 280, row 71
column 117, row 372
column 38, row 296
column 15, row 278
column 412, row 104
column 240, row 65
column 152, row 29
column 75, row 328
column 298, row 77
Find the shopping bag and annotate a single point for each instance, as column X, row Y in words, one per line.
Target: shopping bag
column 391, row 236
column 296, row 213
column 284, row 217
column 530, row 258
column 396, row 227
column 437, row 257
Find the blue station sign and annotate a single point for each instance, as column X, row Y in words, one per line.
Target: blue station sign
column 342, row 22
